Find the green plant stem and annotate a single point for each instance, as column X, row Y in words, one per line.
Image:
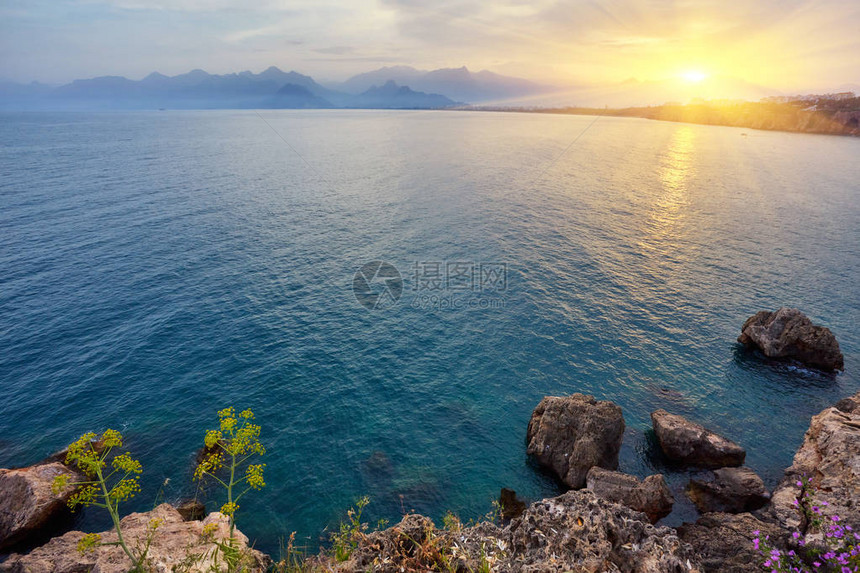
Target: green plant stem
column 230, row 494
column 114, row 515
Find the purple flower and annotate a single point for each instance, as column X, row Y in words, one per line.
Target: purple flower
column 835, row 518
column 796, row 535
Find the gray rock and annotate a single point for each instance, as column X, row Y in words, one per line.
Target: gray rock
column 175, row 542
column 572, row 434
column 27, row 504
column 728, row 490
column 576, row 531
column 830, row 458
column 723, row 542
column 692, row 444
column 651, row 496
column 788, row 333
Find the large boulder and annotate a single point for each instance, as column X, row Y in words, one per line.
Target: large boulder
column 176, row 545
column 830, row 459
column 692, row 444
column 723, row 542
column 728, row 490
column 576, row 531
column 570, row 435
column 28, row 506
column 651, row 496
column 789, row 334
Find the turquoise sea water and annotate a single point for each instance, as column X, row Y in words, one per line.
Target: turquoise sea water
column 157, row 266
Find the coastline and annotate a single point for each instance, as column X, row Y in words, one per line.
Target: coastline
column 606, row 521
column 750, row 115
column 577, row 530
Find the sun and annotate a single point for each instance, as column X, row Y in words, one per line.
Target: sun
column 694, row 76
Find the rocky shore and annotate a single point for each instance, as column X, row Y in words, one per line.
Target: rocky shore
column 606, row 522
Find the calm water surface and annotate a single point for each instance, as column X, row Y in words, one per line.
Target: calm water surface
column 157, row 266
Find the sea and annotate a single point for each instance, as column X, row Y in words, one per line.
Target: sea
column 393, row 292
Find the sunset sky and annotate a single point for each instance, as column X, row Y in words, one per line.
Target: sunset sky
column 781, row 44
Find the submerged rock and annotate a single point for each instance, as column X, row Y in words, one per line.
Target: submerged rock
column 788, row 333
column 570, row 435
column 175, row 544
column 651, row 496
column 28, row 506
column 728, row 490
column 830, row 459
column 573, row 532
column 723, row 542
column 692, row 444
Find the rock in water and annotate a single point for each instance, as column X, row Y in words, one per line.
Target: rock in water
column 572, row 434
column 830, row 458
column 191, row 510
column 728, row 490
column 651, row 496
column 788, row 333
column 175, row 543
column 511, row 505
column 689, row 443
column 27, row 504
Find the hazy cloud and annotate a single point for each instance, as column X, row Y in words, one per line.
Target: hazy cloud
column 782, row 43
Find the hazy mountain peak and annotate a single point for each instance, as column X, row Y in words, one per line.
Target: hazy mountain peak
column 393, row 96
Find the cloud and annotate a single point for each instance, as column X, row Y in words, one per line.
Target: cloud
column 777, row 42
column 335, row 50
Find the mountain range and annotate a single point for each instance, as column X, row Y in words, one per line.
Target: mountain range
column 388, row 88
column 397, row 87
column 457, row 83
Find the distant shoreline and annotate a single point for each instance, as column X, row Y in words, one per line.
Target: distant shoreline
column 842, row 119
column 764, row 116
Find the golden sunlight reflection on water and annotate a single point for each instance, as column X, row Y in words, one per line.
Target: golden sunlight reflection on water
column 677, row 165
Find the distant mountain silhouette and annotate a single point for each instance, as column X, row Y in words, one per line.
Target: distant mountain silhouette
column 294, row 96
column 197, row 89
column 360, row 83
column 392, row 96
column 457, row 83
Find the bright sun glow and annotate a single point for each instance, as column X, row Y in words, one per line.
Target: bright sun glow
column 694, row 76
